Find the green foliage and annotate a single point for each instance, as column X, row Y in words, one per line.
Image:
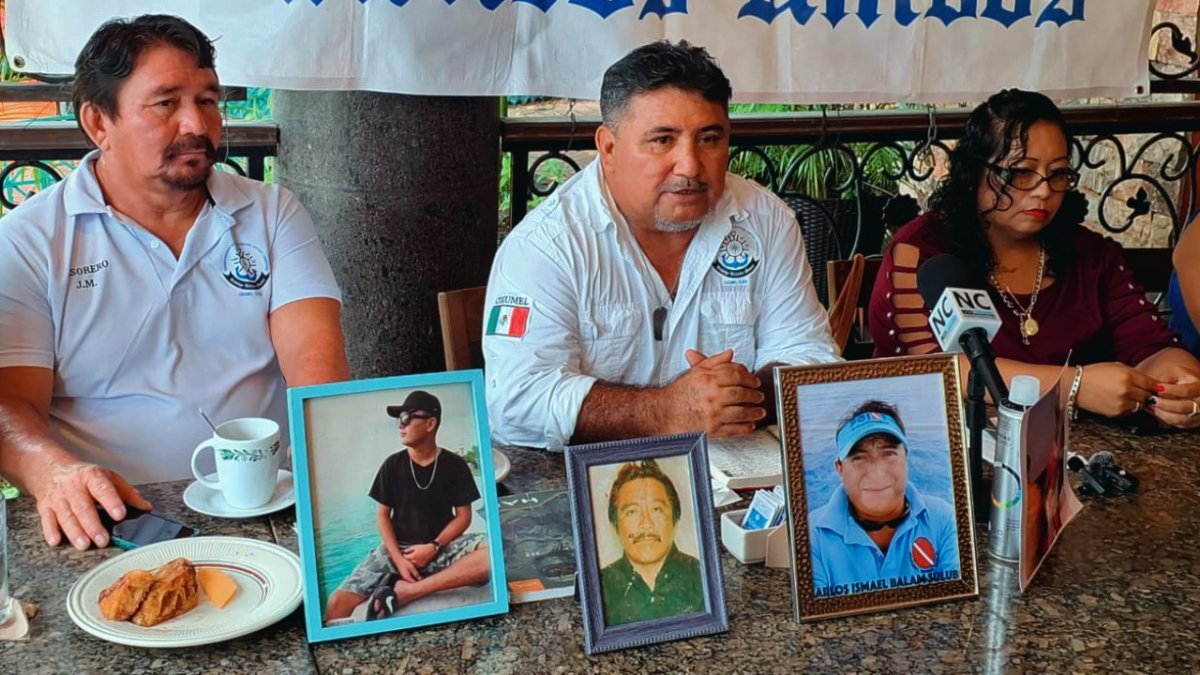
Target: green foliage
column 818, row 173
column 256, row 107
column 471, row 457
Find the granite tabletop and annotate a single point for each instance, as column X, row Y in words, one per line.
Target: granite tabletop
column 1119, row 593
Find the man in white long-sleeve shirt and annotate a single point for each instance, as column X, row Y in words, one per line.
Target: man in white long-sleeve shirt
column 653, row 292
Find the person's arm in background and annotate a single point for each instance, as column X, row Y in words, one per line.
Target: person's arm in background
column 65, row 488
column 304, row 321
column 792, row 326
column 307, row 335
column 1186, row 259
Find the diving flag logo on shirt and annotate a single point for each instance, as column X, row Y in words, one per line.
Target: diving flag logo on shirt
column 508, row 321
column 923, row 555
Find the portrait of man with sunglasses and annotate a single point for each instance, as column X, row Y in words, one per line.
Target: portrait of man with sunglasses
column 424, row 494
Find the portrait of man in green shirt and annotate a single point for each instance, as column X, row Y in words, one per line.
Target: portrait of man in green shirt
column 652, row 579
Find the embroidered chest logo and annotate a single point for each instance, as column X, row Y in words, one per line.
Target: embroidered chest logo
column 923, row 555
column 739, row 254
column 246, row 267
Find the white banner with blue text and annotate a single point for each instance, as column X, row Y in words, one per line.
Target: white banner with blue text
column 772, row 50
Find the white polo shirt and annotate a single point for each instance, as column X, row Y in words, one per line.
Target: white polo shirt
column 572, row 297
column 139, row 340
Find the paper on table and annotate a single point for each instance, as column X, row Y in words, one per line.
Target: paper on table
column 752, row 461
column 17, row 627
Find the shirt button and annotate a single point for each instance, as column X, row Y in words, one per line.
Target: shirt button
column 1121, row 267
column 897, row 350
column 1130, row 286
column 889, row 295
column 892, row 331
column 889, row 315
column 1141, row 302
column 1154, row 316
column 154, row 244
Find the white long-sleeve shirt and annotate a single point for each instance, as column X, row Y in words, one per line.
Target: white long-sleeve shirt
column 572, row 297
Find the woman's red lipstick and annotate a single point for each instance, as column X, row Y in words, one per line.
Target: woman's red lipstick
column 1040, row 214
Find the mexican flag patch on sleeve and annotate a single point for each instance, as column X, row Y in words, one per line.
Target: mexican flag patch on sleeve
column 508, row 320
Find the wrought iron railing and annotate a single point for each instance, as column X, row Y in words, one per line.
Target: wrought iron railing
column 1137, row 162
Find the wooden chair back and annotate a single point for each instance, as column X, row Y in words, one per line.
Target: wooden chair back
column 461, row 314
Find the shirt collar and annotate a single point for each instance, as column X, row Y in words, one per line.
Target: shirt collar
column 82, row 193
column 837, row 517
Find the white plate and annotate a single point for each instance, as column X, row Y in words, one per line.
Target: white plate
column 203, row 499
column 501, row 465
column 267, row 576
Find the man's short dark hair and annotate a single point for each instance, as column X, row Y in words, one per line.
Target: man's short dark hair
column 111, row 53
column 656, row 65
column 644, row 469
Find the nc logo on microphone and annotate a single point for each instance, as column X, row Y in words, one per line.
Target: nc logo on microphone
column 960, row 309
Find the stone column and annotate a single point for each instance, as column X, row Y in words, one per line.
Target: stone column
column 404, row 193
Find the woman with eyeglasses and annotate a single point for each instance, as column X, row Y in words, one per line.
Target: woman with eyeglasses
column 1008, row 211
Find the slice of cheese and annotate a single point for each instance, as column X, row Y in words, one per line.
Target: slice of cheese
column 217, row 585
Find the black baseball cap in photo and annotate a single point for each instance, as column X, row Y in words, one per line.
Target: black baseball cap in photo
column 418, row 401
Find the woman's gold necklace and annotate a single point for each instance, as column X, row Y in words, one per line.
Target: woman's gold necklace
column 1025, row 321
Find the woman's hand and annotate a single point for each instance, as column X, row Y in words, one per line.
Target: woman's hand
column 1114, row 389
column 1176, row 403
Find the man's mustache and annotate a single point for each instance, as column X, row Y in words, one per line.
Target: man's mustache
column 682, row 184
column 639, row 538
column 190, row 143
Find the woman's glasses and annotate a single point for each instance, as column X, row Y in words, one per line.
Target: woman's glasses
column 1060, row 180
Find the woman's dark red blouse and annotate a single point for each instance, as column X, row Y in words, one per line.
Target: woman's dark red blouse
column 1095, row 312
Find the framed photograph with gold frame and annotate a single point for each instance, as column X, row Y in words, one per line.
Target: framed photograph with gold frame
column 876, row 475
column 645, row 541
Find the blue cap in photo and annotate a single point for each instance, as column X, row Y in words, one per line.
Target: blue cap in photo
column 864, row 424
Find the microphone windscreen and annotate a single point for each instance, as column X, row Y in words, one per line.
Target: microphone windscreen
column 1100, row 460
column 940, row 271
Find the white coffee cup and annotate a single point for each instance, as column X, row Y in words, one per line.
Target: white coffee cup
column 248, row 457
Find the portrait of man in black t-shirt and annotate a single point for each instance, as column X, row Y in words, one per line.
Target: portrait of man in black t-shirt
column 424, row 495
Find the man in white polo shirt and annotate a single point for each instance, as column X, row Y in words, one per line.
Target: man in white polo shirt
column 653, row 292
column 146, row 285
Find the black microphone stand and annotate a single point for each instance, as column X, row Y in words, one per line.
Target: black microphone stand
column 976, row 423
column 983, row 378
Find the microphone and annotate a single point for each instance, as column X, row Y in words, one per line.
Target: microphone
column 962, row 318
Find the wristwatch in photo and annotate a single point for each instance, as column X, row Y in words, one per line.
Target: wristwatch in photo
column 437, row 546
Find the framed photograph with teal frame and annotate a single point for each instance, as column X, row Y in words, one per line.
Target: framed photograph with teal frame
column 396, row 506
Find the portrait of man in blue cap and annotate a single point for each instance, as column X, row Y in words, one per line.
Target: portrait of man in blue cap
column 877, row 530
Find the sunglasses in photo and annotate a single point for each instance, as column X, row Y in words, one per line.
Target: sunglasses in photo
column 406, row 417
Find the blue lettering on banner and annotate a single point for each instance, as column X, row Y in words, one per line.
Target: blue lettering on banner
column 1007, row 13
column 603, row 7
column 868, row 12
column 1057, row 15
column 661, row 9
column 767, row 11
column 942, row 11
column 1006, row 17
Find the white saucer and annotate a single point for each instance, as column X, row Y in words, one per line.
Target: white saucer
column 501, row 464
column 203, row 499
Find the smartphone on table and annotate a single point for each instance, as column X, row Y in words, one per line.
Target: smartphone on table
column 141, row 528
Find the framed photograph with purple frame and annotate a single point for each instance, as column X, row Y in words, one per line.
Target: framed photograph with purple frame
column 642, row 510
